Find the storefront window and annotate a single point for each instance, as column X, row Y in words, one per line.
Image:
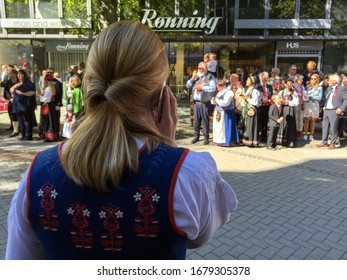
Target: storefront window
column 338, row 18
column 17, row 9
column 280, row 9
column 335, row 57
column 17, row 52
column 252, row 9
column 46, row 9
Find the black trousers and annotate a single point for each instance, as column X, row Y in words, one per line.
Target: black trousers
column 26, row 123
column 201, row 115
column 263, row 119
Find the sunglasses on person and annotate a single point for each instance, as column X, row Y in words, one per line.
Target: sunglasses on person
column 220, row 84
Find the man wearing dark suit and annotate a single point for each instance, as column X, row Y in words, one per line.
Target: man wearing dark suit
column 334, row 105
column 275, row 119
column 263, row 111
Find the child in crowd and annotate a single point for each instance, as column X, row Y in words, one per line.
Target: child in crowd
column 69, row 119
column 212, row 64
column 275, row 119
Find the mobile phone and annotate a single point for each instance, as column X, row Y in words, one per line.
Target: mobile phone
column 160, row 103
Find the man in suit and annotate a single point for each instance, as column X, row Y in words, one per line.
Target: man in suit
column 204, row 85
column 263, row 111
column 275, row 119
column 335, row 104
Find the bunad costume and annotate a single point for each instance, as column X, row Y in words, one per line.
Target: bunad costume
column 251, row 132
column 157, row 213
column 69, row 120
column 224, row 120
column 265, row 92
column 49, row 129
column 287, row 131
column 239, row 102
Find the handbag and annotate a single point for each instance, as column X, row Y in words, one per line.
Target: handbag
column 44, row 110
column 251, row 111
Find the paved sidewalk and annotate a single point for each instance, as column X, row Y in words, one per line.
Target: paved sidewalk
column 292, row 203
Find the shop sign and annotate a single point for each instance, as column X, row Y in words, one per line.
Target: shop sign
column 179, row 24
column 44, row 23
column 300, row 45
column 68, row 46
column 283, row 23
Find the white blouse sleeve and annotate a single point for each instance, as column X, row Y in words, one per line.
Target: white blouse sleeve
column 227, row 98
column 203, row 200
column 22, row 243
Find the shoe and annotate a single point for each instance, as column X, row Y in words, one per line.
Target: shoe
column 277, row 148
column 261, row 144
column 331, row 147
column 10, row 128
column 320, row 145
column 25, row 139
column 14, row 134
column 195, row 140
column 271, row 148
column 206, row 142
column 311, row 138
column 305, row 137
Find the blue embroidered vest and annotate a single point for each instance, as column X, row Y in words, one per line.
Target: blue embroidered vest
column 136, row 222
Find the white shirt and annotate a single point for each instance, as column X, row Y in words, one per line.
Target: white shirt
column 47, row 95
column 203, row 201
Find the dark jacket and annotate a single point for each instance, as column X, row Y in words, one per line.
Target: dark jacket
column 274, row 115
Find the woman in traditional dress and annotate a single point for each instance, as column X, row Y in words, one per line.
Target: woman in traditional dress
column 287, row 132
column 49, row 130
column 224, row 120
column 250, row 115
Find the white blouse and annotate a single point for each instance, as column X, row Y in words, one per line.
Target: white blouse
column 203, row 201
column 47, row 95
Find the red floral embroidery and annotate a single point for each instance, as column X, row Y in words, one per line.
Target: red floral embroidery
column 48, row 218
column 146, row 227
column 81, row 237
column 112, row 240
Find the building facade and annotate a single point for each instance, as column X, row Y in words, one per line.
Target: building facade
column 253, row 34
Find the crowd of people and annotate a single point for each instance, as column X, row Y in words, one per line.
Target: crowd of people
column 21, row 93
column 263, row 110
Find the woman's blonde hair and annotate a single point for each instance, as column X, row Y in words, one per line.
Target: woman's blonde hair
column 50, row 85
column 126, row 68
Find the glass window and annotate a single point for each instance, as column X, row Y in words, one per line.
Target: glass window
column 71, row 10
column 17, row 9
column 312, row 9
column 335, row 59
column 280, row 9
column 338, row 18
column 18, row 52
column 46, row 9
column 252, row 9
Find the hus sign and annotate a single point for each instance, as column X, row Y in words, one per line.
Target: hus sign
column 176, row 24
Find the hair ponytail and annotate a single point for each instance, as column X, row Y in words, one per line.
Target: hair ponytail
column 125, row 71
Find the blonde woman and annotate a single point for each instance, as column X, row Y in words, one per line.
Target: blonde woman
column 48, row 129
column 311, row 108
column 120, row 188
